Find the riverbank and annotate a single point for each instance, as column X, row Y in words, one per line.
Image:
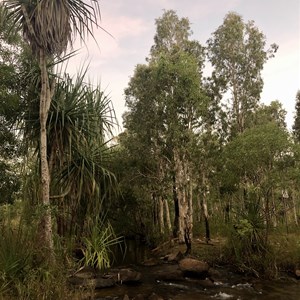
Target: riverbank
column 161, row 278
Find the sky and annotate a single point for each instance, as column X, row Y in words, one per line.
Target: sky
column 131, row 24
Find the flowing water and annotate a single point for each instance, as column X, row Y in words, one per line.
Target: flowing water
column 231, row 286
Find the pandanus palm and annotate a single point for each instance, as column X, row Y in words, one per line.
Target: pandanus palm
column 49, row 26
column 80, row 117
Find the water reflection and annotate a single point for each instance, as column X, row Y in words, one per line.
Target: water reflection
column 230, row 286
column 130, row 252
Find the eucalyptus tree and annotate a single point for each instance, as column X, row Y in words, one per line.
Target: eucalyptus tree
column 49, row 27
column 273, row 112
column 166, row 103
column 144, row 139
column 296, row 125
column 259, row 162
column 237, row 52
column 259, row 157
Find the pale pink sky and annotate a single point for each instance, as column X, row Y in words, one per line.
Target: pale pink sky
column 132, row 25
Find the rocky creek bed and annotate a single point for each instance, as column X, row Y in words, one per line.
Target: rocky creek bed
column 177, row 277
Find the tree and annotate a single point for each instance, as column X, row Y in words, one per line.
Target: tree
column 237, row 53
column 12, row 91
column 258, row 157
column 274, row 112
column 48, row 27
column 166, row 103
column 296, row 125
column 80, row 119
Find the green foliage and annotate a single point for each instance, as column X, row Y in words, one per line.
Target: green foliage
column 296, row 125
column 287, row 249
column 80, row 120
column 97, row 244
column 15, row 255
column 237, row 53
column 273, row 112
column 256, row 153
column 248, row 246
column 9, row 183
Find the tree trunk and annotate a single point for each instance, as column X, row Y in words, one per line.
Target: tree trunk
column 294, row 209
column 182, row 201
column 168, row 219
column 205, row 210
column 161, row 214
column 176, row 209
column 206, row 219
column 45, row 99
column 185, row 203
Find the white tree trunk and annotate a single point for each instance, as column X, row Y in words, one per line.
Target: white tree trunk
column 45, row 100
column 168, row 219
column 161, row 214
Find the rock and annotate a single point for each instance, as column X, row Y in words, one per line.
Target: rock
column 174, row 257
column 205, row 283
column 125, row 297
column 100, row 283
column 297, row 273
column 138, row 297
column 97, row 283
column 169, row 273
column 124, row 276
column 85, row 273
column 214, row 274
column 153, row 296
column 194, row 268
column 151, row 262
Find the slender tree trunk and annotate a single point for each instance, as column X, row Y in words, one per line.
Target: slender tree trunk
column 274, row 210
column 205, row 210
column 45, row 99
column 176, row 209
column 294, row 209
column 168, row 219
column 184, row 200
column 161, row 214
column 199, row 214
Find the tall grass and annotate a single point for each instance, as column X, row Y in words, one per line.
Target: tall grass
column 15, row 250
column 98, row 243
column 22, row 274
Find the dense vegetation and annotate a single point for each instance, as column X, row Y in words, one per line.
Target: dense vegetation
column 200, row 156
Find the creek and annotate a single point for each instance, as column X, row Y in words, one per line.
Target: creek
column 231, row 286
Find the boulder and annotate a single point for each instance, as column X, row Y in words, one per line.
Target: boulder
column 100, row 283
column 169, row 273
column 138, row 297
column 214, row 274
column 297, row 273
column 194, row 268
column 151, row 262
column 153, row 296
column 174, row 257
column 124, row 276
column 85, row 273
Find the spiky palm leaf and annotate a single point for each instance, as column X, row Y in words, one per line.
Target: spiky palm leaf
column 49, row 26
column 79, row 119
column 52, row 24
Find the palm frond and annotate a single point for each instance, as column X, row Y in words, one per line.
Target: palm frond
column 53, row 24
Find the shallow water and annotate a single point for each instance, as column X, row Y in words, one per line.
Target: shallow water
column 231, row 286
